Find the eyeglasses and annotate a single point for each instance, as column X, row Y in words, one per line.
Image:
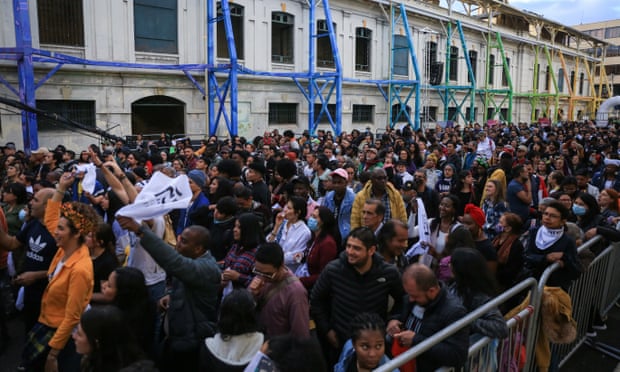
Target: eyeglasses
column 264, row 275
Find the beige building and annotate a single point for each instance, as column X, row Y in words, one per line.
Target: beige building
column 609, row 31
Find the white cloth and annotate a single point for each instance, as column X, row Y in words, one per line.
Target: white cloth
column 161, row 195
column 545, row 237
column 142, row 260
column 235, row 350
column 423, row 224
column 90, row 176
column 486, row 148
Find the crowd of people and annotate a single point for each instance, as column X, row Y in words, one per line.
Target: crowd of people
column 295, row 252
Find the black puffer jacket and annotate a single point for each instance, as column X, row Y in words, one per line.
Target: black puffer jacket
column 441, row 312
column 341, row 292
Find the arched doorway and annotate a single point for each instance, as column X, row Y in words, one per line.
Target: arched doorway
column 156, row 114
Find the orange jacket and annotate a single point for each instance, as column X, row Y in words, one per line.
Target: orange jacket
column 68, row 293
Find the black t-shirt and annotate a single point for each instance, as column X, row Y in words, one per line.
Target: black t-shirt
column 102, row 267
column 486, row 248
column 40, row 250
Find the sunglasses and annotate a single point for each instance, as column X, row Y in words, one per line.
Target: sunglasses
column 264, row 275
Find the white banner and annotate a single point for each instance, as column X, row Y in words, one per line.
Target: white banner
column 423, row 227
column 161, row 195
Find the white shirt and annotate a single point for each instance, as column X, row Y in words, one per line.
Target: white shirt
column 142, row 260
column 294, row 240
column 486, row 148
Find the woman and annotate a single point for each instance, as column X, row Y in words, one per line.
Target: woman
column 550, row 244
column 219, row 188
column 404, row 155
column 70, row 284
column 164, row 159
column 509, row 250
column 608, row 202
column 567, row 201
column 291, row 232
column 126, row 289
column 444, row 225
column 103, row 339
column 555, row 182
column 365, row 351
column 590, row 219
column 13, row 171
column 179, row 165
column 444, row 184
column 239, row 261
column 493, row 206
column 465, row 191
column 321, row 249
column 475, row 286
column 237, row 339
column 102, row 245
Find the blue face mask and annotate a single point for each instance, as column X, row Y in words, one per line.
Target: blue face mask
column 313, row 224
column 22, row 215
column 579, row 210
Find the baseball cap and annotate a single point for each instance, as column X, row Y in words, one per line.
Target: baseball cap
column 340, row 173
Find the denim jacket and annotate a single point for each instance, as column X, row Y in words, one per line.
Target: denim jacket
column 344, row 214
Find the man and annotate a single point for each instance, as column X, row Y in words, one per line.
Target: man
column 452, row 157
column 430, row 308
column 255, row 174
column 393, row 243
column 197, row 180
column 539, row 188
column 282, row 299
column 609, row 177
column 402, row 176
column 379, row 188
column 583, row 182
column 373, row 213
column 40, row 247
column 486, row 146
column 519, row 193
column 429, row 196
column 309, row 167
column 246, row 204
column 358, row 281
column 191, row 306
column 190, row 158
column 340, row 200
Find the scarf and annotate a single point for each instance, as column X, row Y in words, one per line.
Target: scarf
column 545, row 237
column 503, row 251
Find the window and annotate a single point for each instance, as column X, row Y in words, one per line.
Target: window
column 561, row 80
column 362, row 49
column 452, row 114
column 323, row 119
column 537, row 74
column 282, row 37
column 236, row 19
column 401, row 55
column 429, row 113
column 431, row 54
column 282, row 113
column 491, row 68
column 473, row 59
column 491, row 113
column 324, row 54
column 468, row 112
column 398, row 116
column 82, row 112
column 572, row 80
column 363, row 113
column 454, row 63
column 612, row 32
column 505, row 74
column 155, row 26
column 503, row 113
column 548, row 78
column 581, row 78
column 61, row 22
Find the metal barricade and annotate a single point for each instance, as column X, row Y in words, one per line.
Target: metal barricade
column 482, row 348
column 612, row 282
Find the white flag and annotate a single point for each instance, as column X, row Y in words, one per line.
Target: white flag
column 90, row 176
column 423, row 227
column 161, row 195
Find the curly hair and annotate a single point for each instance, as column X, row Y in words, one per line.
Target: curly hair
column 82, row 218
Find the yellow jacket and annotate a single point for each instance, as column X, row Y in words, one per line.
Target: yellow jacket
column 397, row 205
column 67, row 293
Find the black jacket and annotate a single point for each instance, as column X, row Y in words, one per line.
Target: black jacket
column 443, row 311
column 535, row 261
column 341, row 292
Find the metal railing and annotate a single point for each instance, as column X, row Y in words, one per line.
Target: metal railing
column 595, row 291
column 425, row 345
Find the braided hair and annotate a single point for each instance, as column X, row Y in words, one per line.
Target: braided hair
column 366, row 322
